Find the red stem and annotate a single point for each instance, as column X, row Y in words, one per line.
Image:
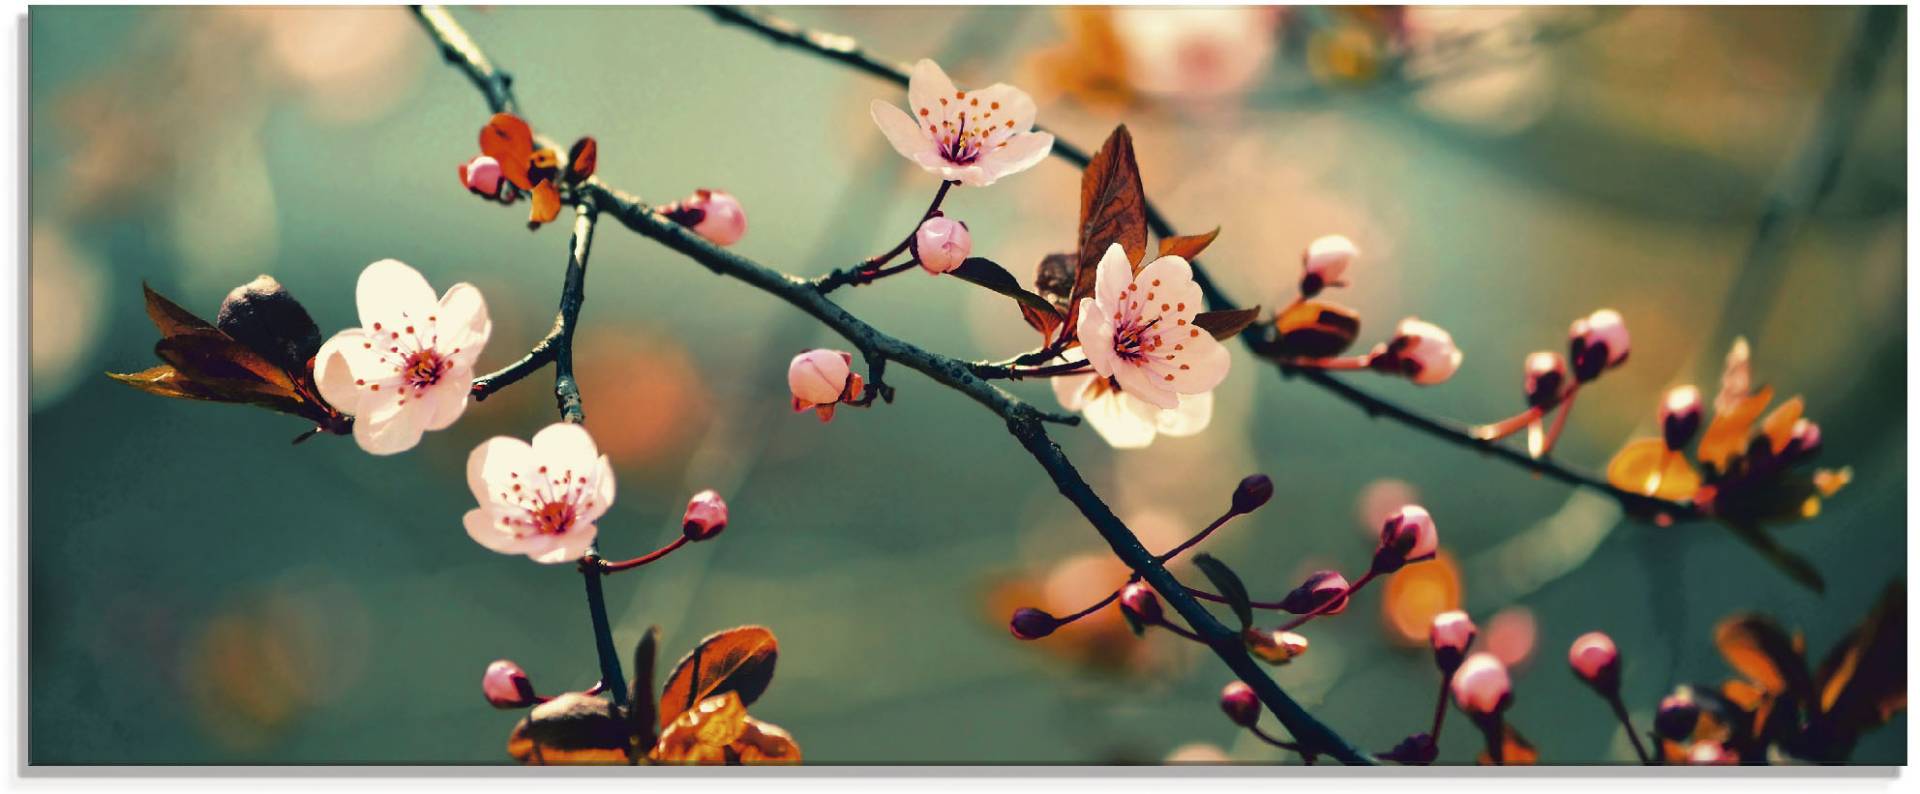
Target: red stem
column 616, row 567
column 1334, row 362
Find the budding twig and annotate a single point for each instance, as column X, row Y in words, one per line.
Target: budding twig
column 871, row 269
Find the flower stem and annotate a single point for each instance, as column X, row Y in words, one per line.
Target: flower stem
column 1219, row 599
column 1620, row 711
column 1333, row 362
column 1276, row 741
column 1559, row 422
column 1494, row 431
column 1048, row 371
column 610, row 673
column 870, row 269
column 1440, row 709
column 1169, row 626
column 623, row 565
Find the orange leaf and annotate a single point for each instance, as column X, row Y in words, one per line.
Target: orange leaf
column 573, row 728
column 582, row 159
column 1188, row 246
column 1646, row 467
column 170, row 318
column 1727, row 435
column 543, row 166
column 508, row 139
column 1756, row 647
column 1779, row 425
column 1315, row 328
column 718, row 731
column 1113, row 209
column 546, row 204
column 1515, row 750
column 736, row 660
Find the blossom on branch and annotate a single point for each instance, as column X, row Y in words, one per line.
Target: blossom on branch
column 1138, row 330
column 1125, row 421
column 409, row 367
column 713, row 214
column 539, row 499
column 820, row 379
column 971, row 137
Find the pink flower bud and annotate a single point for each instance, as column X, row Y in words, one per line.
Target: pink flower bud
column 1139, row 599
column 1804, row 441
column 1597, row 343
column 481, row 175
column 1032, row 624
column 1677, row 715
column 706, row 516
column 820, row 378
column 1680, row 415
column 1546, row 377
column 1711, row 753
column 941, row 244
column 1252, row 492
column 1481, row 687
column 1320, row 588
column 1240, row 704
column 1324, row 263
column 1452, row 633
column 713, row 214
column 1420, row 351
column 507, row 686
column 1408, row 536
column 1596, row 661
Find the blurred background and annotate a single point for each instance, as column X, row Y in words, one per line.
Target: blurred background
column 202, row 592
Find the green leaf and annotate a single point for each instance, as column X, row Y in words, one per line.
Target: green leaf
column 1225, row 324
column 1229, row 585
column 989, row 274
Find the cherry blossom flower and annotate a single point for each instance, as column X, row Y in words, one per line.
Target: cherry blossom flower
column 1597, row 342
column 1138, row 330
column 539, row 499
column 941, row 244
column 1125, row 421
column 971, row 137
column 713, row 214
column 821, row 379
column 408, row 368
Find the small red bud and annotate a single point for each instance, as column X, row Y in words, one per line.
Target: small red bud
column 1481, row 687
column 1452, row 634
column 1677, row 715
column 1680, row 415
column 507, row 686
column 1321, row 587
column 1140, row 600
column 1546, row 376
column 1595, row 659
column 1032, row 624
column 706, row 516
column 1252, row 493
column 1240, row 704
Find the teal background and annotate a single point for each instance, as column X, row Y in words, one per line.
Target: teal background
column 201, row 592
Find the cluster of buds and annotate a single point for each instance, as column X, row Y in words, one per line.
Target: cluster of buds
column 821, row 379
column 1313, row 331
column 941, row 243
column 713, row 214
column 1595, row 343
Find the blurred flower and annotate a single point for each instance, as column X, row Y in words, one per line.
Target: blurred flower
column 1124, row 328
column 820, row 379
column 1123, row 420
column 1089, row 65
column 941, row 244
column 539, row 499
column 481, row 175
column 1191, row 53
column 1419, row 350
column 1324, row 264
column 1677, row 715
column 397, row 374
column 1274, row 647
column 1197, row 753
column 1680, row 416
column 1481, row 686
column 1452, row 634
column 1597, row 343
column 955, row 134
column 67, row 293
column 706, row 515
column 1546, row 377
column 1510, row 635
column 713, row 214
column 1417, row 594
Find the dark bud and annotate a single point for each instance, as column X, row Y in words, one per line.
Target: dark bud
column 1320, row 588
column 1055, row 276
column 1140, row 600
column 1416, row 750
column 1252, row 492
column 1676, row 717
column 262, row 315
column 1240, row 704
column 1032, row 624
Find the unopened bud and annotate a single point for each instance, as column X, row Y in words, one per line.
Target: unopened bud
column 941, row 244
column 1252, row 492
column 706, row 515
column 713, row 214
column 1595, row 659
column 1711, row 753
column 1407, row 536
column 1546, row 376
column 1804, row 441
column 1419, row 351
column 1680, row 415
column 1139, row 599
column 1032, row 624
column 1240, row 704
column 1324, row 263
column 821, row 378
column 481, row 175
column 507, row 686
column 1321, row 587
column 1452, row 634
column 1677, row 716
column 1481, row 687
column 262, row 315
column 1597, row 342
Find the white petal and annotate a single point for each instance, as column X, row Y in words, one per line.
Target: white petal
column 599, row 491
column 1071, row 390
column 333, row 374
column 1111, row 278
column 483, row 526
column 927, row 84
column 491, row 466
column 1193, row 415
column 446, row 400
column 384, row 427
column 1096, row 337
column 570, row 546
column 1015, row 106
column 1143, row 383
column 566, row 446
column 389, row 291
column 463, row 324
column 1199, row 367
column 1021, row 153
column 906, row 135
column 1115, row 421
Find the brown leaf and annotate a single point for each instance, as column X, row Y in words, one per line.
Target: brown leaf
column 987, row 273
column 1188, row 246
column 1756, row 647
column 170, row 318
column 508, row 139
column 1863, row 679
column 573, row 728
column 1113, row 209
column 1726, row 435
column 1225, row 324
column 1646, row 467
column 1316, row 329
column 642, row 710
column 736, row 660
column 718, row 731
column 582, row 159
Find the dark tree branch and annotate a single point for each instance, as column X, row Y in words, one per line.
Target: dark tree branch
column 1023, row 420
